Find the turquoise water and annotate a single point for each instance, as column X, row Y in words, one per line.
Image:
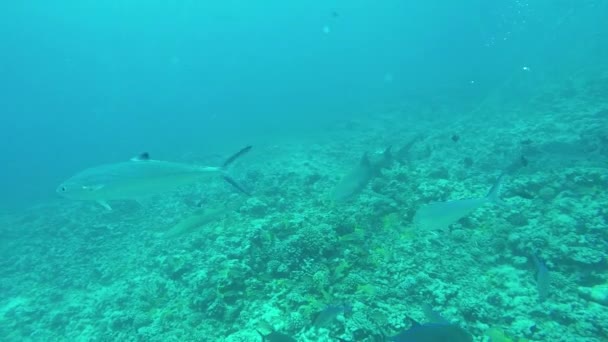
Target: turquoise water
column 461, row 92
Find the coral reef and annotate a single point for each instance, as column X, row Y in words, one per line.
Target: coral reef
column 71, row 271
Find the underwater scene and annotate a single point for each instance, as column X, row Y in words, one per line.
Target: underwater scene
column 346, row 171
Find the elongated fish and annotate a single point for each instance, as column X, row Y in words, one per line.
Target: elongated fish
column 139, row 178
column 443, row 214
column 358, row 178
column 543, row 278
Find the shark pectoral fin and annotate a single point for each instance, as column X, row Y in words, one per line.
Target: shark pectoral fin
column 105, row 205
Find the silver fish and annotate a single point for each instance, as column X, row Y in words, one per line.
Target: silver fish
column 139, row 178
column 443, row 214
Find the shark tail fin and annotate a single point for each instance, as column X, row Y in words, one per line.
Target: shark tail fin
column 494, row 193
column 236, row 156
column 229, row 162
column 364, row 160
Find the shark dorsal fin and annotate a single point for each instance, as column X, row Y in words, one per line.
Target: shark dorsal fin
column 142, row 157
column 387, row 154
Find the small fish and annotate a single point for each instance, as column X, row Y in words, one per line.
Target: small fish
column 139, row 178
column 443, row 214
column 358, row 178
column 517, row 164
column 326, row 317
column 455, row 138
column 534, row 328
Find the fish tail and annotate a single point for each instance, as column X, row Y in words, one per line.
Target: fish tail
column 494, row 193
column 228, row 162
column 235, row 156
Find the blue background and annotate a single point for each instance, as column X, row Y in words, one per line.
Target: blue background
column 88, row 82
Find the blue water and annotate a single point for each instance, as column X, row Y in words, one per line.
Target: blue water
column 87, row 82
column 84, row 82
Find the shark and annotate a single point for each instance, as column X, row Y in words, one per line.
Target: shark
column 141, row 177
column 357, row 178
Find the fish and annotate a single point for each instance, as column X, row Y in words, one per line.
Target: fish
column 276, row 336
column 326, row 317
column 139, row 178
column 403, row 154
column 433, row 332
column 543, row 279
column 516, row 165
column 428, row 332
column 357, row 179
column 198, row 219
column 443, row 214
column 438, row 329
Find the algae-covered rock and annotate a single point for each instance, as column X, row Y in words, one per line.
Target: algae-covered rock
column 255, row 207
column 586, row 255
column 597, row 293
column 517, row 219
column 547, row 193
